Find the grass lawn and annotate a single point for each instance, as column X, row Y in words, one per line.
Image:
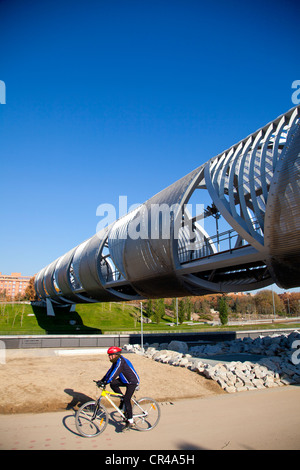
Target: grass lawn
column 95, row 318
column 98, row 318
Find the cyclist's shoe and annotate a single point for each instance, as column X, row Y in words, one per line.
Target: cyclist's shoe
column 128, row 426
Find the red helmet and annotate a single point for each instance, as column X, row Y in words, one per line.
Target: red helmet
column 114, row 350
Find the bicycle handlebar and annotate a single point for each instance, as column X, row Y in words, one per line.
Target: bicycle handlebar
column 100, row 384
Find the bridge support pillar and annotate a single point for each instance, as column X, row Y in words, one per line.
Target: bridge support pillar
column 50, row 309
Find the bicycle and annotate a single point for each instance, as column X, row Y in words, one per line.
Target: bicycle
column 92, row 417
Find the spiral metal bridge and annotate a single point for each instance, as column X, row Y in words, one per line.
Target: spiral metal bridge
column 231, row 225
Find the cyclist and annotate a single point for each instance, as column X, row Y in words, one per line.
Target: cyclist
column 122, row 374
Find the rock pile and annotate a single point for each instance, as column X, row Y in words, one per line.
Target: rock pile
column 279, row 363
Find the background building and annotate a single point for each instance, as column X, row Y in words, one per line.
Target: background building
column 13, row 285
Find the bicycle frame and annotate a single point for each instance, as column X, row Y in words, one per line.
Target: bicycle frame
column 106, row 394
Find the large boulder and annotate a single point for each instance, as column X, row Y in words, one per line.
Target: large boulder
column 178, row 346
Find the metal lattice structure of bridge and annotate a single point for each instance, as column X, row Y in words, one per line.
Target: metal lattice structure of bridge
column 245, row 237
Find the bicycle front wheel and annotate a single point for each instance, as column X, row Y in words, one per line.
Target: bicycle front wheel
column 91, row 419
column 146, row 414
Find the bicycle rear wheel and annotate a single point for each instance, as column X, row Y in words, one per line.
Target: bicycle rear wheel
column 146, row 414
column 91, row 419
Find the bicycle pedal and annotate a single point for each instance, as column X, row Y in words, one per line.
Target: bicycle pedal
column 127, row 426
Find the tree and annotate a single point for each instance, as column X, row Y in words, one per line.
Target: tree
column 159, row 310
column 236, row 305
column 181, row 311
column 264, row 303
column 243, row 304
column 203, row 305
column 248, row 304
column 30, row 293
column 294, row 303
column 173, row 306
column 188, row 308
column 149, row 308
column 223, row 310
column 291, row 302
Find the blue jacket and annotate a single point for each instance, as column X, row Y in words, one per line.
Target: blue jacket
column 124, row 370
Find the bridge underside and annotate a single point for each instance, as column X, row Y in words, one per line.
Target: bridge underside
column 231, row 225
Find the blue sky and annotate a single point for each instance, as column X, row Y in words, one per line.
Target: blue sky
column 110, row 98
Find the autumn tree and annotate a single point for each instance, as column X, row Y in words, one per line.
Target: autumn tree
column 243, row 304
column 264, row 303
column 291, row 302
column 202, row 305
column 30, row 293
column 294, row 303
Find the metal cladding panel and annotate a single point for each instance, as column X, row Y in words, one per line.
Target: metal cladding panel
column 117, row 238
column 77, row 259
column 282, row 234
column 89, row 269
column 48, row 279
column 63, row 277
column 38, row 283
column 148, row 259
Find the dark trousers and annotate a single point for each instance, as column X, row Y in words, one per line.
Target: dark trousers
column 130, row 388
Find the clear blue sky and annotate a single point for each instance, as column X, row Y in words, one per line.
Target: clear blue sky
column 109, row 98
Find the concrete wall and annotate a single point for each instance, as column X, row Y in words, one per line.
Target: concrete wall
column 92, row 341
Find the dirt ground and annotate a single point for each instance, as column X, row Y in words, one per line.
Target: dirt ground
column 51, row 383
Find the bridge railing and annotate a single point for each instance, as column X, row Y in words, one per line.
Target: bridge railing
column 226, row 241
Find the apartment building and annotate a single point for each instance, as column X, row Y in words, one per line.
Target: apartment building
column 13, row 285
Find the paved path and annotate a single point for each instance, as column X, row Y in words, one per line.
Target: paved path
column 262, row 419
